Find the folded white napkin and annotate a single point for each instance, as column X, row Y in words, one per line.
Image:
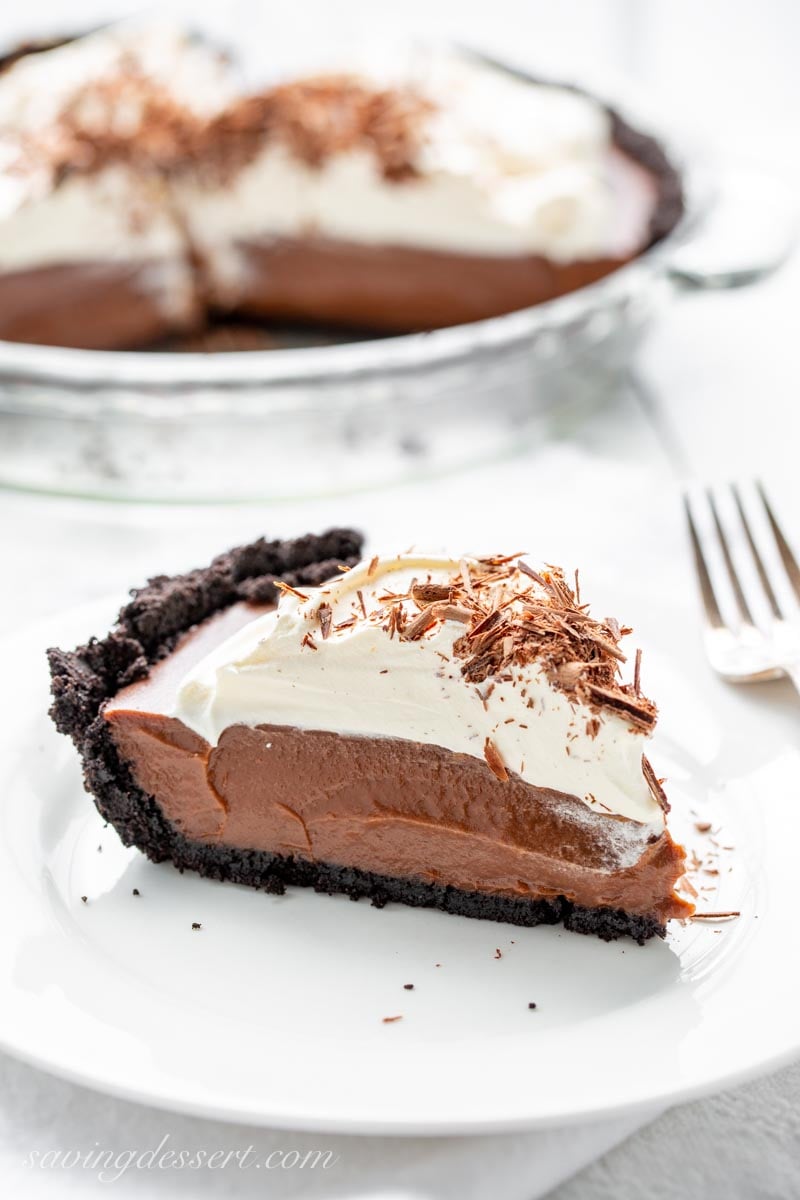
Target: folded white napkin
column 42, row 1117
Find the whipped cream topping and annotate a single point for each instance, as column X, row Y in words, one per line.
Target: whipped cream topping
column 37, row 88
column 372, row 654
column 110, row 216
column 499, row 166
column 118, row 211
column 503, row 168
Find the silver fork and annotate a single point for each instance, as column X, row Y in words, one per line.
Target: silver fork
column 744, row 648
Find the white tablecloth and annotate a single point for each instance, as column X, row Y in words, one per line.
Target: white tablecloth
column 739, row 1145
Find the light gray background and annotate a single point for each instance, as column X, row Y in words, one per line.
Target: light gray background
column 722, row 373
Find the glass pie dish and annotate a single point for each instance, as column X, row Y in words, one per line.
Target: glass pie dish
column 307, row 419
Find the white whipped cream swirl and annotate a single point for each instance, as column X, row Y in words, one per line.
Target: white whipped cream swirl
column 360, row 681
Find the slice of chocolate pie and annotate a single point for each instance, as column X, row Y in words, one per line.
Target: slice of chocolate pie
column 449, row 733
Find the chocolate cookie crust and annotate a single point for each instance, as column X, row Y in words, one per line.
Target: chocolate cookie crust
column 147, row 630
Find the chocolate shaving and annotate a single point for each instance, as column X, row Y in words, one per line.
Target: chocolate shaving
column 654, row 784
column 639, row 712
column 283, row 586
column 554, row 581
column 483, row 625
column 397, row 621
column 498, row 560
column 534, row 575
column 715, row 916
column 430, row 616
column 494, row 761
column 308, row 640
column 325, row 614
column 360, row 595
column 418, row 626
column 453, row 612
column 430, row 593
column 609, row 647
column 637, row 672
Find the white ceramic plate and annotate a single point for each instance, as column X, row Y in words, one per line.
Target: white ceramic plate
column 273, row 1011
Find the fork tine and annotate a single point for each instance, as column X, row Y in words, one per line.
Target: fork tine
column 706, row 587
column 787, row 557
column 742, row 605
column 757, row 559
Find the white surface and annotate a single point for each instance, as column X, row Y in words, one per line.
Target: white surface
column 724, row 371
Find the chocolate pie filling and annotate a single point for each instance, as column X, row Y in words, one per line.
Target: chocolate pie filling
column 93, row 305
column 397, row 289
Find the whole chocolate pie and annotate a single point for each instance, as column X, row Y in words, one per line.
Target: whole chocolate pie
column 449, row 733
column 142, row 193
